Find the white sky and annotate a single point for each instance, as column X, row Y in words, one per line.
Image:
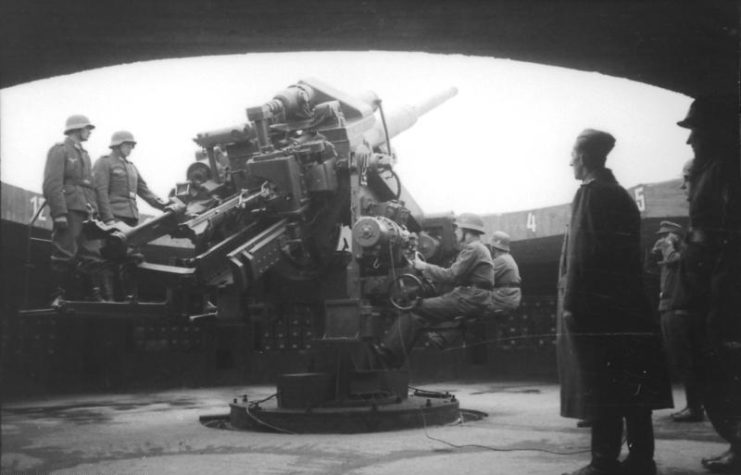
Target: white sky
column 502, row 144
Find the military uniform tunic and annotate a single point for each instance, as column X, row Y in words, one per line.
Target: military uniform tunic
column 681, row 329
column 507, row 294
column 710, row 286
column 69, row 192
column 472, row 273
column 118, row 182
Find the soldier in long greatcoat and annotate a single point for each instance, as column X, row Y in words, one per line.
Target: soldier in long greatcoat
column 610, row 360
column 710, row 269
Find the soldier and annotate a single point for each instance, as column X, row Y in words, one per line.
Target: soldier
column 609, row 353
column 69, row 191
column 686, row 173
column 119, row 182
column 679, row 327
column 711, row 264
column 506, row 295
column 472, row 273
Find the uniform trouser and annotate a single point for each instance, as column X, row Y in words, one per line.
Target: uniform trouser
column 505, row 299
column 123, row 274
column 723, row 358
column 682, row 334
column 70, row 247
column 712, row 278
column 722, row 396
column 461, row 301
column 72, row 251
column 607, row 438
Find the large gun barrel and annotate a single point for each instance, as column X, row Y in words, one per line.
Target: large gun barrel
column 405, row 117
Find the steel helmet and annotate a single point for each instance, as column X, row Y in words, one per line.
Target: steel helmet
column 121, row 137
column 75, row 122
column 712, row 111
column 470, row 221
column 500, row 240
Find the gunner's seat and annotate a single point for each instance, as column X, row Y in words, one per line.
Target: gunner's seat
column 445, row 334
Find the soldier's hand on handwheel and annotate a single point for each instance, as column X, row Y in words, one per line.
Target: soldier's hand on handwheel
column 418, row 264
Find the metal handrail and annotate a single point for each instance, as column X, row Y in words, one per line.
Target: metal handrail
column 28, row 265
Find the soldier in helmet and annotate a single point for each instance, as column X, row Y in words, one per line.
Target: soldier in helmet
column 610, row 359
column 472, row 274
column 710, row 268
column 70, row 193
column 506, row 295
column 686, row 174
column 119, row 182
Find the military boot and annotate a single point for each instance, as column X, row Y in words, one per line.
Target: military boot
column 59, row 280
column 104, row 281
column 129, row 283
column 93, row 282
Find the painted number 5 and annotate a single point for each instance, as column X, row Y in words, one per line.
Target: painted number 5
column 640, row 198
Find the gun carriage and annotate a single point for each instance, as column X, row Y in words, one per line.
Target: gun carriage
column 300, row 203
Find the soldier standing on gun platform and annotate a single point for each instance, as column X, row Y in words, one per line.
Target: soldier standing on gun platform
column 609, row 354
column 118, row 183
column 69, row 190
column 711, row 265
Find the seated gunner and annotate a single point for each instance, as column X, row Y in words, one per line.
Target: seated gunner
column 507, row 295
column 472, row 274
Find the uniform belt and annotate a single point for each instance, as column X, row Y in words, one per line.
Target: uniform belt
column 83, row 184
column 507, row 286
column 481, row 285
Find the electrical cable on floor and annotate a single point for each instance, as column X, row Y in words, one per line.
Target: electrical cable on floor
column 251, row 415
column 264, row 399
column 495, row 449
column 424, row 425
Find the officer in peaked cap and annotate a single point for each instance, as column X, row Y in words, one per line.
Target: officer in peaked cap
column 506, row 295
column 70, row 193
column 472, row 274
column 679, row 327
column 666, row 227
column 710, row 268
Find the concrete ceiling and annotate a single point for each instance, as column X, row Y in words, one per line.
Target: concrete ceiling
column 686, row 46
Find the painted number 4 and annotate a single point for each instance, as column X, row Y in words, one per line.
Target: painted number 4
column 530, row 222
column 640, row 198
column 37, row 202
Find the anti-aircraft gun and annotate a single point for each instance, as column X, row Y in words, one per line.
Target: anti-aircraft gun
column 300, row 204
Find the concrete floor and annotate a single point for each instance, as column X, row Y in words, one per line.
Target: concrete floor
column 160, row 433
